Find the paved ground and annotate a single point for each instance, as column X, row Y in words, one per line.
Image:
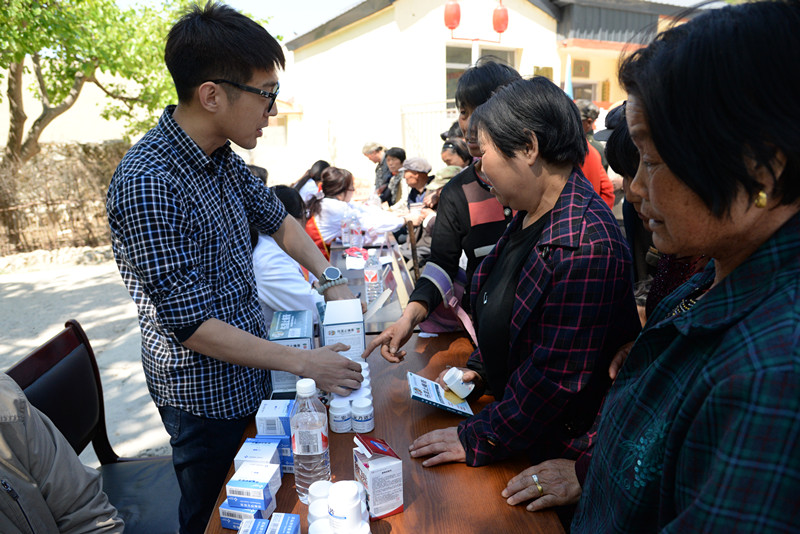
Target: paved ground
column 40, row 291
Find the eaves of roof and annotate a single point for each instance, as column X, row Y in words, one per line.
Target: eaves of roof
column 370, row 7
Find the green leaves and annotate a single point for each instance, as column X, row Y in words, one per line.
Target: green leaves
column 120, row 50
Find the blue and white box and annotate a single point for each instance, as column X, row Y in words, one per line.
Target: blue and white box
column 254, row 526
column 279, row 524
column 285, row 454
column 258, row 452
column 232, row 517
column 292, row 329
column 272, row 418
column 254, row 486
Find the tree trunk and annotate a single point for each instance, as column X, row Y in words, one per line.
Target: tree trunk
column 9, row 164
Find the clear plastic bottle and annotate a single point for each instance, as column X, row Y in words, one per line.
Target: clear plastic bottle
column 346, row 220
column 356, row 239
column 309, row 422
column 372, row 277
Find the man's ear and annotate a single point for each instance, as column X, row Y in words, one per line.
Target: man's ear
column 209, row 95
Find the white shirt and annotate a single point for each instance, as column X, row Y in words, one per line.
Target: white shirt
column 308, row 190
column 280, row 282
column 371, row 218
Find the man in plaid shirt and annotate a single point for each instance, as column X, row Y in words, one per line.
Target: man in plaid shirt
column 179, row 206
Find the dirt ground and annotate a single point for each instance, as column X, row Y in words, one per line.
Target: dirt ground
column 40, row 290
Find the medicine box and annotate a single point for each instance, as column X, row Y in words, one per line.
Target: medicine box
column 279, row 524
column 292, row 329
column 232, row 517
column 344, row 323
column 285, row 454
column 257, row 451
column 380, row 470
column 272, row 418
column 254, row 486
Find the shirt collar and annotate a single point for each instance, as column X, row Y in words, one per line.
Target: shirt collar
column 747, row 286
column 188, row 151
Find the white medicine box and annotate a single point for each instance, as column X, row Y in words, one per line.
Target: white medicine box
column 344, row 323
column 380, row 470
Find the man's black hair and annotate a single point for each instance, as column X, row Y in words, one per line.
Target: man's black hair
column 217, row 42
column 478, row 82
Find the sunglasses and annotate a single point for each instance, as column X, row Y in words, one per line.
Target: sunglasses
column 266, row 94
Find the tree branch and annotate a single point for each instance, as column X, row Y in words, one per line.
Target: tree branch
column 31, row 145
column 43, row 92
column 127, row 100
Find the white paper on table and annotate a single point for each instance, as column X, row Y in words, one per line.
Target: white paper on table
column 353, row 263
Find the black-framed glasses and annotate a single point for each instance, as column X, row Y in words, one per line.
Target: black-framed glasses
column 255, row 90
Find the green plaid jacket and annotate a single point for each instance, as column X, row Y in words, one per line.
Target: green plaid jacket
column 700, row 431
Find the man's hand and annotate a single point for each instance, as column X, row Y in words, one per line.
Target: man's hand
column 444, row 444
column 618, row 359
column 391, row 339
column 340, row 292
column 558, row 481
column 332, row 371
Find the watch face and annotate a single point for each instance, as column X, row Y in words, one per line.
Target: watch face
column 332, row 273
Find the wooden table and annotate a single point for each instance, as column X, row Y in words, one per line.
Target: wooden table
column 446, row 498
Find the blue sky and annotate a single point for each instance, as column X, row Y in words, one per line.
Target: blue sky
column 286, row 17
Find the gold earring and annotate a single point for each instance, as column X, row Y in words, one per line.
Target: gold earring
column 761, row 199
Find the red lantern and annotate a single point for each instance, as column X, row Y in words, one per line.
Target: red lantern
column 500, row 18
column 452, row 14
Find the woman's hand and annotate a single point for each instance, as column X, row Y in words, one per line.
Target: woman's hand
column 618, row 359
column 398, row 334
column 468, row 376
column 557, row 479
column 443, row 445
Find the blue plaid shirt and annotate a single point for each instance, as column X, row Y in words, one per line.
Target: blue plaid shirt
column 700, row 431
column 179, row 228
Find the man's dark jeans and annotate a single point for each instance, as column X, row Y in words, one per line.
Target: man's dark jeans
column 202, row 451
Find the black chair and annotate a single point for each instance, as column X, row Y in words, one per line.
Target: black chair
column 62, row 380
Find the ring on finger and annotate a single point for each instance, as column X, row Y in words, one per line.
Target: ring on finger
column 538, row 485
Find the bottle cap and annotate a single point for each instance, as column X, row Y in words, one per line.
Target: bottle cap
column 306, row 387
column 362, row 405
column 373, row 252
column 340, row 404
column 319, row 490
column 318, row 510
column 320, row 526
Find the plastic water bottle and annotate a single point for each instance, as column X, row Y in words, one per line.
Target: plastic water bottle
column 372, row 277
column 345, row 226
column 355, row 233
column 309, row 422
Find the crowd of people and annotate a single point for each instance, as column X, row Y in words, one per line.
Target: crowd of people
column 648, row 371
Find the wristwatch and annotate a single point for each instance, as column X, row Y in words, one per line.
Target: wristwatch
column 331, row 274
column 330, row 277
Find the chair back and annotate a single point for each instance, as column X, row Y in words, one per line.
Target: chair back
column 62, row 380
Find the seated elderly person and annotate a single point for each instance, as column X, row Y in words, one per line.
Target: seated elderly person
column 46, row 487
column 700, row 431
column 553, row 301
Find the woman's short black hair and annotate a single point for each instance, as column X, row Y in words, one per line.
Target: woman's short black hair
column 216, row 41
column 621, row 153
column 291, row 199
column 478, row 82
column 718, row 90
column 396, row 152
column 459, row 146
column 535, row 106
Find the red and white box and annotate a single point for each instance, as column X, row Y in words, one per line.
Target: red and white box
column 380, row 470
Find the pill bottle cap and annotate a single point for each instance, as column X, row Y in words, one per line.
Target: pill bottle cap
column 362, row 405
